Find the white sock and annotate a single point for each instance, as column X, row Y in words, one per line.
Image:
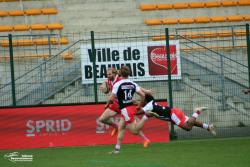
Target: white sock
column 117, row 146
column 145, row 117
column 205, row 126
column 195, row 115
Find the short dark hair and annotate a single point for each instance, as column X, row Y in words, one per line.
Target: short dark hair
column 148, row 98
column 125, row 71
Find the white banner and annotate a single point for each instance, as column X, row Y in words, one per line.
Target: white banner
column 147, row 60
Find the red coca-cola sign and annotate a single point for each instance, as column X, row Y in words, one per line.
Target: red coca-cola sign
column 157, row 60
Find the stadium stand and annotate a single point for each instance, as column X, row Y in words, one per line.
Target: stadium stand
column 24, row 27
column 36, row 41
column 206, row 34
column 200, row 19
column 191, row 5
column 44, row 11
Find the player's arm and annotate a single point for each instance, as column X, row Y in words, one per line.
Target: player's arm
column 148, row 110
column 112, row 95
column 148, row 91
column 110, row 99
column 142, row 97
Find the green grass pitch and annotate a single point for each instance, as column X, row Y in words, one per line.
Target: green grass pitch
column 228, row 152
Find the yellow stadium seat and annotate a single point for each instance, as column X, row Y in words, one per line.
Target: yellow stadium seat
column 235, row 18
column 164, row 6
column 5, row 28
column 24, row 42
column 226, row 3
column 218, row 19
column 208, row 34
column 239, row 32
column 5, row 43
column 33, row 56
column 180, row 5
column 9, row 0
column 61, row 41
column 170, row 21
column 244, row 2
column 191, row 35
column 47, row 11
column 37, row 41
column 196, row 4
column 186, row 20
column 202, row 19
column 21, row 27
column 38, row 27
column 212, row 4
column 16, row 13
column 55, row 26
column 15, row 43
column 151, row 22
column 67, row 55
column 224, row 33
column 158, row 37
column 3, row 13
column 246, row 17
column 33, row 11
column 41, row 41
column 145, row 7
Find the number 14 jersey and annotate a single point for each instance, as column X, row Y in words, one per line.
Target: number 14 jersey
column 125, row 90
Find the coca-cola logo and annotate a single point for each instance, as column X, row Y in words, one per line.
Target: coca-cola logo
column 158, row 57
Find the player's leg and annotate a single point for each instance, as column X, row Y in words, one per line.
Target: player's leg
column 105, row 117
column 140, row 124
column 188, row 125
column 208, row 127
column 136, row 126
column 179, row 118
column 146, row 140
column 120, row 136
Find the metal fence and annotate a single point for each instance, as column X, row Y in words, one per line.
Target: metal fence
column 213, row 65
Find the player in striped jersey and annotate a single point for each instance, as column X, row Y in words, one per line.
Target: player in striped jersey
column 113, row 109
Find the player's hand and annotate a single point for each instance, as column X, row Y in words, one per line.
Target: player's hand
column 101, row 86
column 151, row 91
column 106, row 106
